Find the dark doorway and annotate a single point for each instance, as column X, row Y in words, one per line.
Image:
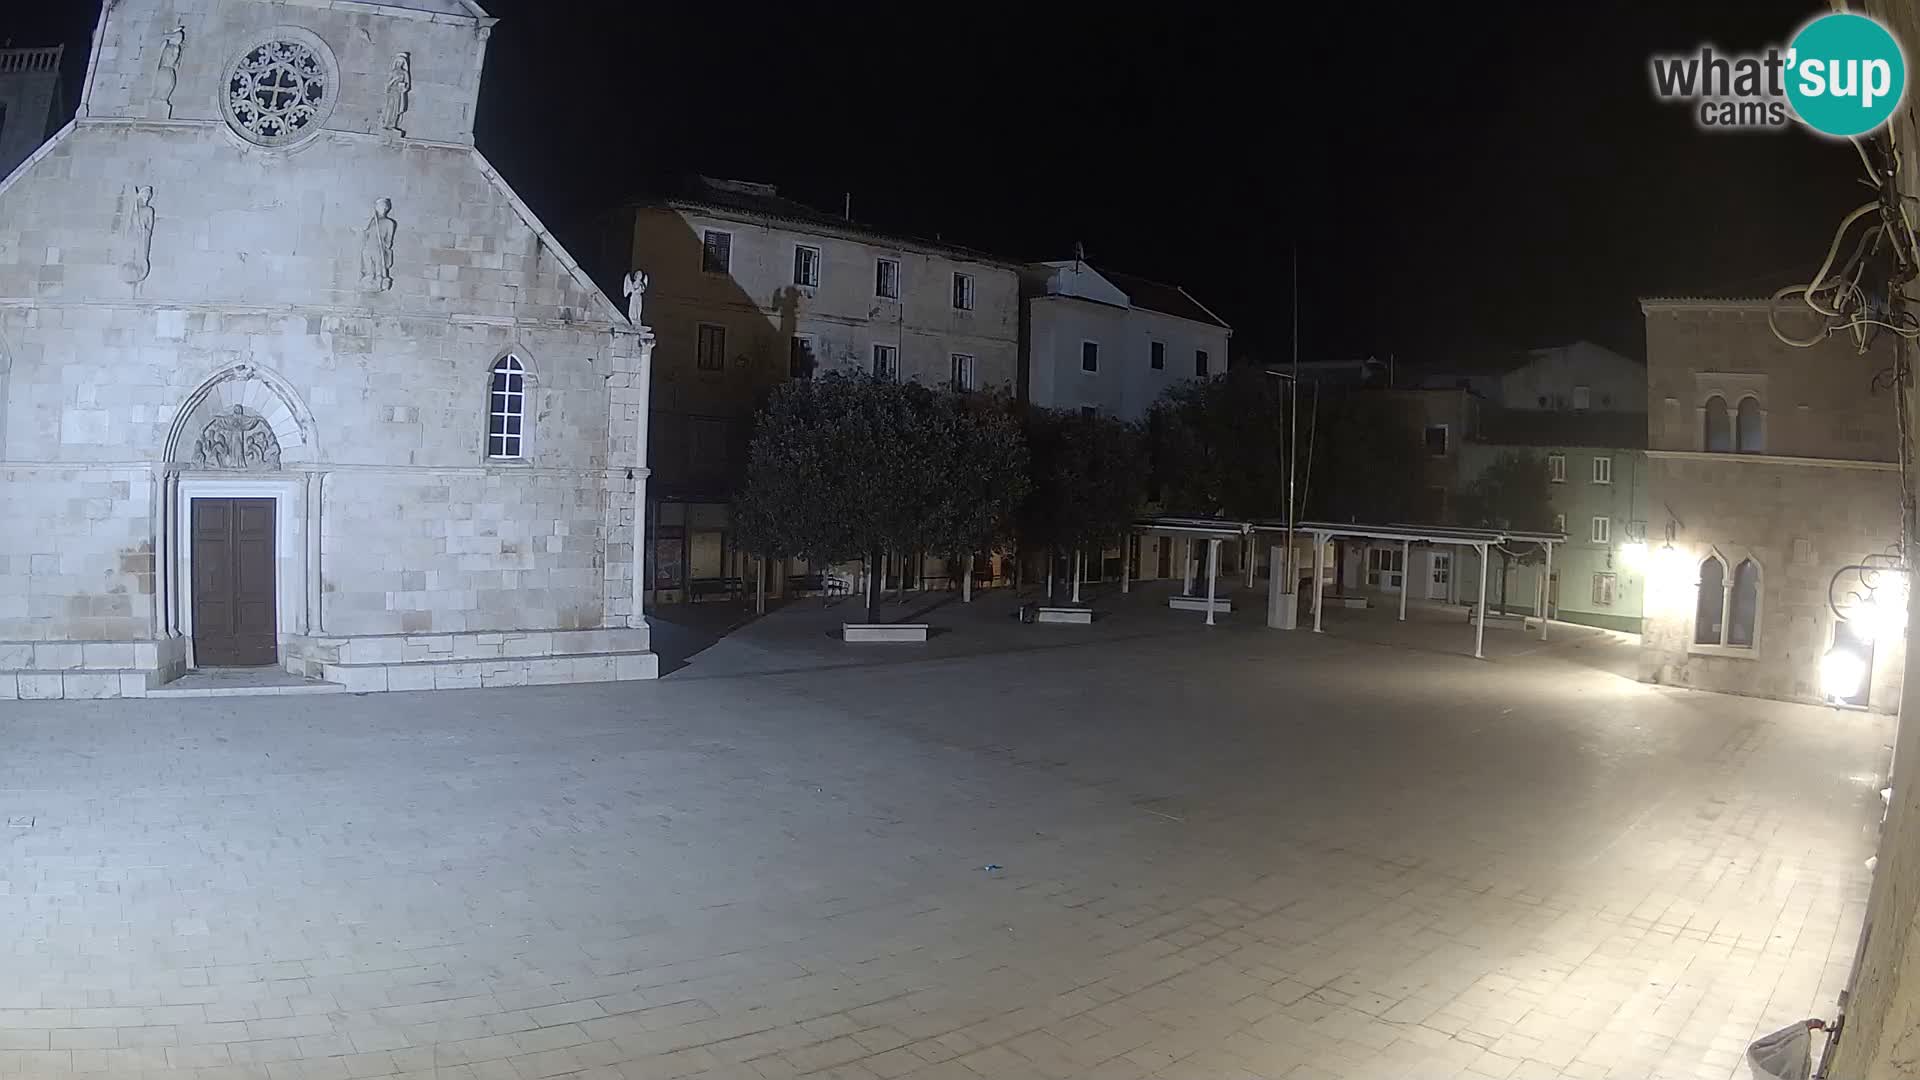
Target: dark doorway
column 233, row 583
column 1163, row 547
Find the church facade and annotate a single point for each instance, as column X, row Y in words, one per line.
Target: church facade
column 290, row 376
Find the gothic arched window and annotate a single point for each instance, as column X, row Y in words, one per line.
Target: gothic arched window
column 507, row 409
column 1718, row 437
column 1749, row 437
column 1709, row 614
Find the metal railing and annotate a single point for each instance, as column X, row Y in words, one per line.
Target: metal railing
column 13, row 61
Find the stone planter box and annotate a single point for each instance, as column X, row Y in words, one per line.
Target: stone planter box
column 1198, row 603
column 883, row 632
column 1080, row 615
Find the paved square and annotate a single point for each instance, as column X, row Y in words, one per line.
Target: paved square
column 1146, row 851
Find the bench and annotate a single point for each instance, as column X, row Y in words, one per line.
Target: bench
column 872, row 632
column 711, row 586
column 1082, row 615
column 1198, row 603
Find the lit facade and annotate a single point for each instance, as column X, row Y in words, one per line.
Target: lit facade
column 1771, row 469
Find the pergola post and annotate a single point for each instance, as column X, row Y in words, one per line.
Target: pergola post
column 759, row 586
column 1319, row 575
column 1246, row 548
column 1480, row 611
column 966, row 579
column 1079, row 571
column 1126, row 561
column 1186, row 566
column 1213, row 574
column 1050, row 561
column 1406, row 571
column 1546, row 595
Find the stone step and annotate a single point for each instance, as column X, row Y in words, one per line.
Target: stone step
column 504, row 671
column 29, row 684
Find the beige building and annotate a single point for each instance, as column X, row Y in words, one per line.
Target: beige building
column 749, row 288
column 1772, row 470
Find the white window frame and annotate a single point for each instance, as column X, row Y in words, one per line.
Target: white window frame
column 1728, row 566
column 962, row 291
column 513, row 445
column 1606, row 588
column 878, row 262
column 1556, row 468
column 699, row 338
column 1560, row 524
column 1386, row 567
column 1600, row 530
column 1084, row 369
column 891, row 370
column 1582, row 398
column 965, row 375
column 818, row 258
column 725, row 271
column 1603, row 469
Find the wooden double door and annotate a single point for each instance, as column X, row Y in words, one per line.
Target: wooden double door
column 234, row 618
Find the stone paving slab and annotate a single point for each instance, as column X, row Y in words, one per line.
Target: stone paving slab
column 1169, row 855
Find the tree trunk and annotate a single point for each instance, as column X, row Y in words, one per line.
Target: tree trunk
column 1504, row 575
column 874, row 571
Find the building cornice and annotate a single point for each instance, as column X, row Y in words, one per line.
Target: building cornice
column 1776, row 459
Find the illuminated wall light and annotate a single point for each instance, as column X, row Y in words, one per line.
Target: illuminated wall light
column 1842, row 672
column 1672, row 579
column 1634, row 555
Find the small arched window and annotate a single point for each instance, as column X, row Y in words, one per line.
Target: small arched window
column 1709, row 623
column 507, row 409
column 1748, row 436
column 1719, row 431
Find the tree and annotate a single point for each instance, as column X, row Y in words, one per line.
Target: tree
column 852, row 466
column 1514, row 492
column 1366, row 461
column 1219, row 446
column 1087, row 482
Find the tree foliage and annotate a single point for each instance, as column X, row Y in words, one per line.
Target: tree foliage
column 1513, row 492
column 1088, row 479
column 1368, row 460
column 1219, row 446
column 851, row 466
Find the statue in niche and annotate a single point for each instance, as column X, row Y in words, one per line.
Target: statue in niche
column 399, row 86
column 166, row 78
column 376, row 248
column 137, row 238
column 239, row 441
column 635, row 290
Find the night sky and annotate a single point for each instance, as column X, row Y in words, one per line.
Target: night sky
column 1458, row 183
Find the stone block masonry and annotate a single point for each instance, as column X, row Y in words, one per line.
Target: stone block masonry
column 314, row 320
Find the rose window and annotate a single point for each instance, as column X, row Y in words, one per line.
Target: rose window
column 278, row 93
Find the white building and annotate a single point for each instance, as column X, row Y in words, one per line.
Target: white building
column 289, row 375
column 30, row 100
column 1111, row 342
column 750, row 288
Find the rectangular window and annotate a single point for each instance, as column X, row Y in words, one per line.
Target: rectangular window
column 716, row 252
column 806, row 266
column 1157, row 356
column 1385, row 568
column 507, row 409
column 1200, row 364
column 1603, row 588
column 1089, row 356
column 1582, row 397
column 963, row 292
column 801, row 357
column 1560, row 523
column 886, row 278
column 1603, row 470
column 962, row 372
column 1602, row 530
column 1089, row 411
column 1557, row 468
column 710, row 352
column 1437, row 440
column 886, row 362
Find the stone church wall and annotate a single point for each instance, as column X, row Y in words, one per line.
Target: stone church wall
column 157, row 270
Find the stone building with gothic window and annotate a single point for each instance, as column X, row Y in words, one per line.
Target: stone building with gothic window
column 1773, row 484
column 290, row 376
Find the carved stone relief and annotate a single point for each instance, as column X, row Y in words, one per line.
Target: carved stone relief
column 136, row 238
column 239, row 440
column 376, row 248
column 399, row 87
column 166, row 77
